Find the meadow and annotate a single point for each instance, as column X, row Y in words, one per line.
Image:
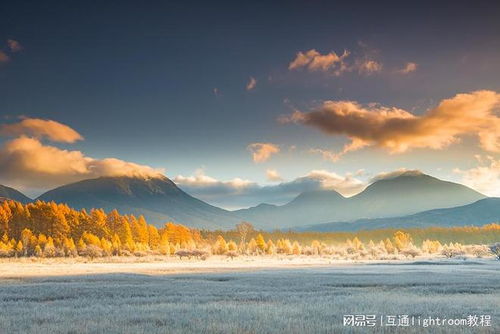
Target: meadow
column 293, row 300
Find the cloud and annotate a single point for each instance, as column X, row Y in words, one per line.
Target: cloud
column 273, row 175
column 252, row 83
column 238, row 193
column 14, row 46
column 395, row 173
column 27, row 162
column 262, row 151
column 314, row 61
column 397, row 130
column 3, row 57
column 207, row 185
column 368, row 66
column 409, row 68
column 332, row 63
column 347, row 185
column 485, row 178
column 40, row 128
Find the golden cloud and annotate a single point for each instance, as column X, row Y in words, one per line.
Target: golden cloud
column 252, row 83
column 397, row 130
column 3, row 57
column 409, row 67
column 200, row 179
column 262, row 151
column 368, row 66
column 41, row 128
column 29, row 163
column 14, row 46
column 314, row 61
column 485, row 178
column 273, row 175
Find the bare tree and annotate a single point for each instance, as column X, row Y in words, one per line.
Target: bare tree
column 244, row 228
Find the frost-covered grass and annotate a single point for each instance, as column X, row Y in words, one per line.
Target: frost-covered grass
column 307, row 300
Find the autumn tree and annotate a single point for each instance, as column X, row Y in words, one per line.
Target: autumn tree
column 261, row 243
column 153, row 237
column 220, row 246
column 402, row 240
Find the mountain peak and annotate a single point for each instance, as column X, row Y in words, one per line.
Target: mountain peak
column 318, row 195
column 405, row 173
column 156, row 198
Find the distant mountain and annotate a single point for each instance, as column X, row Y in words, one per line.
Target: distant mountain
column 411, row 192
column 158, row 199
column 13, row 194
column 318, row 206
column 404, row 194
column 482, row 212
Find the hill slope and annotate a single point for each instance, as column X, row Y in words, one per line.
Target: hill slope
column 11, row 193
column 482, row 212
column 158, row 199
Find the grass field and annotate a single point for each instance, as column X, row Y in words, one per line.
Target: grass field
column 295, row 300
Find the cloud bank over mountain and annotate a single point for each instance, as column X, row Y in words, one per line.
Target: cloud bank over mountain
column 26, row 162
column 237, row 193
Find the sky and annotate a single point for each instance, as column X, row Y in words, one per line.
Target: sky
column 243, row 103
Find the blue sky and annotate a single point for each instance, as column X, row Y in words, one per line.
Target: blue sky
column 138, row 81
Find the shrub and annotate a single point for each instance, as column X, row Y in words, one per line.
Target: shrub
column 91, row 251
column 495, row 249
column 183, row 253
column 231, row 254
column 450, row 252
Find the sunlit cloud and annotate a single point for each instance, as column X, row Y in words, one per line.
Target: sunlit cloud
column 4, row 58
column 368, row 66
column 347, row 185
column 41, row 128
column 273, row 175
column 395, row 173
column 261, row 152
column 485, row 178
column 28, row 163
column 398, row 130
column 237, row 193
column 409, row 68
column 210, row 185
column 252, row 83
column 14, row 46
column 335, row 64
column 312, row 60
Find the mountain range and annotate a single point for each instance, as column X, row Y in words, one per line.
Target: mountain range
column 404, row 194
column 404, row 199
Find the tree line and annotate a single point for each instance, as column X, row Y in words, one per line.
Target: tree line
column 48, row 229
